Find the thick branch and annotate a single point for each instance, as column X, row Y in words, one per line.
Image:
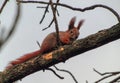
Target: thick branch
column 62, row 54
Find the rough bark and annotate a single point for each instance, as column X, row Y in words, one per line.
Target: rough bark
column 62, row 54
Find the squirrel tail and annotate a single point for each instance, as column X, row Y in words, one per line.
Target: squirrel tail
column 23, row 58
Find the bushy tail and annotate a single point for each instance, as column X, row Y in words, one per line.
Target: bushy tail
column 23, row 58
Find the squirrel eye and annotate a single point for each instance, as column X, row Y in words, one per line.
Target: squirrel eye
column 71, row 31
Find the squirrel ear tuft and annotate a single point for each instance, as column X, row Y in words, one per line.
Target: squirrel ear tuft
column 72, row 22
column 80, row 24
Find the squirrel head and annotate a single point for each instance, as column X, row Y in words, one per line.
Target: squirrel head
column 72, row 30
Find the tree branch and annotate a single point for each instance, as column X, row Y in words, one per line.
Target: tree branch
column 55, row 73
column 63, row 53
column 63, row 70
column 56, row 23
column 78, row 9
column 3, row 5
column 107, row 75
column 45, row 12
column 55, row 10
column 93, row 41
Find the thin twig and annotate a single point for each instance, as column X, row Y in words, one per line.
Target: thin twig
column 53, row 18
column 86, row 81
column 117, row 72
column 1, row 9
column 78, row 9
column 49, row 25
column 41, row 7
column 103, row 78
column 55, row 73
column 56, row 7
column 103, row 6
column 97, row 72
column 2, row 31
column 109, row 74
column 115, row 80
column 38, row 43
column 68, row 73
column 56, row 23
column 45, row 12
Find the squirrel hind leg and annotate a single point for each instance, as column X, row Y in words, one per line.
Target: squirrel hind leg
column 12, row 63
column 9, row 66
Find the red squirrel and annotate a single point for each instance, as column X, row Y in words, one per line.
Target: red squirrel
column 50, row 42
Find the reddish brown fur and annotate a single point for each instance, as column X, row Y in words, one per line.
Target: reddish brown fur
column 49, row 43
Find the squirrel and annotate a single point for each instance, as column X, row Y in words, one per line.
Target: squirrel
column 50, row 42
